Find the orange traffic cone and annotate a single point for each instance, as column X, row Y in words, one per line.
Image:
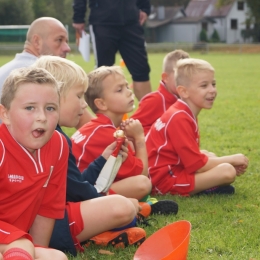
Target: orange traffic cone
column 169, row 242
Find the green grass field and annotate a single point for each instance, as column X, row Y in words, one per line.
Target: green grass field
column 222, row 227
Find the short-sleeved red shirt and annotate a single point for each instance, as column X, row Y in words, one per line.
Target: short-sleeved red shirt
column 153, row 105
column 30, row 186
column 90, row 141
column 173, row 151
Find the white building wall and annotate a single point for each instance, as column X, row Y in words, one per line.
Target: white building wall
column 220, row 26
column 234, row 35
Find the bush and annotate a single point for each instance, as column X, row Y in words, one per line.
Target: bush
column 203, row 36
column 215, row 36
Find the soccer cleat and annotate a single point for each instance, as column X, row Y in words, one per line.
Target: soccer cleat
column 146, row 209
column 165, row 207
column 162, row 207
column 223, row 190
column 120, row 239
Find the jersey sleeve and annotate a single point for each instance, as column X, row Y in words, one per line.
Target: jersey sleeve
column 147, row 112
column 186, row 143
column 132, row 166
column 53, row 204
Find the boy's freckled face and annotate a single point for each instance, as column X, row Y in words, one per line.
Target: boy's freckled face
column 118, row 97
column 33, row 115
column 202, row 90
column 72, row 105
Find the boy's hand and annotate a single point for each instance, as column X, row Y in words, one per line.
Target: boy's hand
column 133, row 129
column 123, row 151
column 136, row 204
column 240, row 162
column 240, row 170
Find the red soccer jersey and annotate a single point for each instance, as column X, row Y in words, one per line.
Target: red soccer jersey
column 173, row 150
column 153, row 105
column 30, row 186
column 91, row 140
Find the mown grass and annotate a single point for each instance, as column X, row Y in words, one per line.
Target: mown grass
column 222, row 227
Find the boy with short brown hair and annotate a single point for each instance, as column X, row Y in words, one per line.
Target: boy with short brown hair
column 109, row 96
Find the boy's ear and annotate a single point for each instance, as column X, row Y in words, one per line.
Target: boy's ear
column 4, row 115
column 100, row 104
column 164, row 76
column 182, row 91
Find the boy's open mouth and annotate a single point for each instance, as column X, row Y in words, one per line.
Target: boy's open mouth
column 38, row 132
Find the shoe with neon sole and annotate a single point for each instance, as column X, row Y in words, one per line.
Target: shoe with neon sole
column 120, row 239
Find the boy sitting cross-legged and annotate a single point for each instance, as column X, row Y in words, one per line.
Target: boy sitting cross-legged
column 154, row 104
column 176, row 164
column 89, row 215
column 109, row 96
column 33, row 165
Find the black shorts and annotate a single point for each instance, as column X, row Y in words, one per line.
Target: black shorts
column 128, row 40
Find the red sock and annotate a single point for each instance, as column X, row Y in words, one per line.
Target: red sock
column 17, row 254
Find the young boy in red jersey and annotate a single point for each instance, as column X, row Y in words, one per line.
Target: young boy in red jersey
column 176, row 164
column 154, row 104
column 84, row 202
column 109, row 96
column 33, row 165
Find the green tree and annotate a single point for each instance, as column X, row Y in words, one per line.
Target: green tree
column 215, row 36
column 13, row 12
column 59, row 9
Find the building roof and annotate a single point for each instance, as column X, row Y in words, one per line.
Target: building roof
column 207, row 8
column 185, row 20
column 158, row 17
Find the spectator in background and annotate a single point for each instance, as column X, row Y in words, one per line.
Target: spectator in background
column 116, row 25
column 46, row 36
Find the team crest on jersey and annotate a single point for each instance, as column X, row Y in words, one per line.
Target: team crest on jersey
column 15, row 178
column 78, row 137
column 159, row 124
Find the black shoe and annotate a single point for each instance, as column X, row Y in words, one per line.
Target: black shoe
column 164, row 207
column 224, row 190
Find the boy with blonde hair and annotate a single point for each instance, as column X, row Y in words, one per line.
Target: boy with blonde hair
column 154, row 104
column 33, row 165
column 84, row 202
column 109, row 97
column 176, row 164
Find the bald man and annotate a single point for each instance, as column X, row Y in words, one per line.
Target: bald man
column 46, row 36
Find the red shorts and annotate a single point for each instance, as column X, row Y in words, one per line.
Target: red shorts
column 10, row 233
column 181, row 183
column 75, row 222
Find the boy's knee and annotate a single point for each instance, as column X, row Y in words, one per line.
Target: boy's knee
column 123, row 208
column 229, row 172
column 58, row 255
column 144, row 184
